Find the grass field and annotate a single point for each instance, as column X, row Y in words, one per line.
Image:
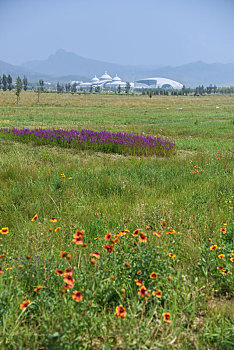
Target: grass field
column 182, row 204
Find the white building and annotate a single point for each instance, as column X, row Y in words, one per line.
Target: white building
column 155, row 83
column 107, row 83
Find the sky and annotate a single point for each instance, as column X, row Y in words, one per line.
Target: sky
column 135, row 32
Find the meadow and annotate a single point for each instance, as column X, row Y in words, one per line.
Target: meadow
column 102, row 250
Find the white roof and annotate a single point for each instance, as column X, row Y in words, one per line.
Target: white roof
column 160, row 82
column 116, row 78
column 95, row 79
column 105, row 77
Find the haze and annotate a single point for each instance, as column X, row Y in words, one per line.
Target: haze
column 132, row 32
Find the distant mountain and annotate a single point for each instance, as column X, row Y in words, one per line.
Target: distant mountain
column 16, row 71
column 66, row 66
column 68, row 63
column 33, row 76
column 197, row 73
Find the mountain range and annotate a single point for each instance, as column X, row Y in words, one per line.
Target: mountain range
column 66, row 66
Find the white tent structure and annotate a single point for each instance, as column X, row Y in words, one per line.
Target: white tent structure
column 154, row 83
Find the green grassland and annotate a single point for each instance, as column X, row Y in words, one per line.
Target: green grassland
column 191, row 191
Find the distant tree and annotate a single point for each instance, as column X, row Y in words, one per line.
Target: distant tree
column 73, row 87
column 58, row 87
column 62, row 88
column 97, row 89
column 41, row 83
column 215, row 89
column 0, row 82
column 68, row 87
column 25, row 83
column 127, row 87
column 18, row 89
column 91, row 88
column 9, row 82
column 4, row 82
column 119, row 89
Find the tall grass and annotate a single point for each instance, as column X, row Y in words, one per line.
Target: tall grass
column 186, row 199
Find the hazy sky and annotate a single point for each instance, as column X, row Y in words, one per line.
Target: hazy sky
column 119, row 31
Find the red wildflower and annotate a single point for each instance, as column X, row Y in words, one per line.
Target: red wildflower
column 166, row 317
column 38, row 288
column 108, row 236
column 157, row 294
column 59, row 272
column 77, row 296
column 153, row 275
column 135, row 233
column 109, row 248
column 68, row 278
column 143, row 238
column 96, row 255
column 25, row 304
column 63, row 254
column 139, row 283
column 1, row 271
column 157, row 234
column 35, row 217
column 143, row 291
column 53, row 220
column 120, row 312
column 78, row 240
column 4, row 230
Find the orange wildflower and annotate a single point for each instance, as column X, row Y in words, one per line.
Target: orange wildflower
column 157, row 234
column 135, row 233
column 166, row 317
column 153, row 275
column 164, row 223
column 2, row 256
column 68, row 279
column 142, row 238
column 108, row 236
column 120, row 312
column 59, row 272
column 157, row 294
column 127, row 264
column 143, row 291
column 38, row 288
column 213, row 247
column 96, row 255
column 78, row 240
column 225, row 272
column 1, row 271
column 53, row 220
column 57, row 229
column 63, row 254
column 4, row 230
column 223, row 230
column 35, row 217
column 77, row 296
column 148, row 228
column 171, row 255
column 139, row 283
column 25, row 304
column 171, row 232
column 139, row 272
column 232, row 259
column 109, row 248
column 221, row 256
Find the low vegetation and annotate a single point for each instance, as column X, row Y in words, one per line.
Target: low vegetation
column 111, row 251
